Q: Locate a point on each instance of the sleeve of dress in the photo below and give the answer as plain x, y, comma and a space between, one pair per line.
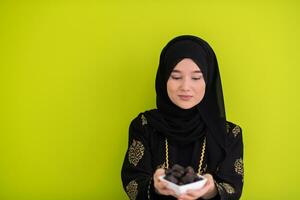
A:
230, 175
136, 171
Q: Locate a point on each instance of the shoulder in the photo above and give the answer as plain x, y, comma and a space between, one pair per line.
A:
141, 120
233, 130
234, 137
139, 126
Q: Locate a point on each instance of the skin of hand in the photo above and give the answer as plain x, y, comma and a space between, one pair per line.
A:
206, 192
160, 186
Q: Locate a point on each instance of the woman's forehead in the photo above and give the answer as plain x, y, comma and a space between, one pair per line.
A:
186, 64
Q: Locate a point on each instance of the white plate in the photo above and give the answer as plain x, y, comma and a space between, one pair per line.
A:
181, 189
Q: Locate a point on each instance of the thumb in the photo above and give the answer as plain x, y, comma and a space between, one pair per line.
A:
160, 172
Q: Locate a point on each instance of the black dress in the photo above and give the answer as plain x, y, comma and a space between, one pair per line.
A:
147, 151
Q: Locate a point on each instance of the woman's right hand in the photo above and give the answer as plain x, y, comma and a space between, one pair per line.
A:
159, 185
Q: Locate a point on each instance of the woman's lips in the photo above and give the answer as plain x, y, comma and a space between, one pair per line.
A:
185, 97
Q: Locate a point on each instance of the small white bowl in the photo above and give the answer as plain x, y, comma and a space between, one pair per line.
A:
181, 189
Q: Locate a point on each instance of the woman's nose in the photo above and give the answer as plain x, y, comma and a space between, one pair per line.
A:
185, 86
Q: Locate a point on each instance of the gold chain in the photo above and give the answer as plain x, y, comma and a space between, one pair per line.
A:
201, 158
167, 154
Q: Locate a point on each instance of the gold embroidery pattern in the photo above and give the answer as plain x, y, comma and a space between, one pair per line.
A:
131, 190
144, 120
229, 189
227, 127
219, 188
236, 130
239, 166
136, 152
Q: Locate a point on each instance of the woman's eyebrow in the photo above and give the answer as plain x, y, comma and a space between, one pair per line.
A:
178, 71
197, 71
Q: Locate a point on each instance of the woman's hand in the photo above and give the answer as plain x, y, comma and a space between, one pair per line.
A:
160, 186
207, 192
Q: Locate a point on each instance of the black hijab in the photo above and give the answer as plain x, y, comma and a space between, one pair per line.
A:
184, 126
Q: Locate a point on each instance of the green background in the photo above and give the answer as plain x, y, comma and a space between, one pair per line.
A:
73, 74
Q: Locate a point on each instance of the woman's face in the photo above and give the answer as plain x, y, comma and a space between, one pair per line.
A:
186, 85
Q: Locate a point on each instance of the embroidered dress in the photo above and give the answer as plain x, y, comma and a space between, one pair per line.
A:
172, 135
137, 176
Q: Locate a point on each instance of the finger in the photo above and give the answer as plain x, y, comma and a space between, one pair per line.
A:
167, 191
209, 178
159, 172
195, 194
185, 197
170, 192
162, 184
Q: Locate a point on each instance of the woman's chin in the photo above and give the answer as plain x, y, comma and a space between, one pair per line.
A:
186, 105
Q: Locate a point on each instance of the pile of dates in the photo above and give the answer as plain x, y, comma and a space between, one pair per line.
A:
181, 176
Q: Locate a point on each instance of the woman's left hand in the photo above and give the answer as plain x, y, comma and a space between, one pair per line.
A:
207, 192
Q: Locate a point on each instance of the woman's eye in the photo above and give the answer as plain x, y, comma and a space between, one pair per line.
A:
196, 78
175, 77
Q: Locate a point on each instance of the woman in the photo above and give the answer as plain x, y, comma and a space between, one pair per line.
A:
188, 128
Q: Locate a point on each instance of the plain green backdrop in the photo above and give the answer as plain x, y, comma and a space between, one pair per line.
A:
73, 74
